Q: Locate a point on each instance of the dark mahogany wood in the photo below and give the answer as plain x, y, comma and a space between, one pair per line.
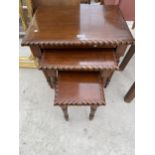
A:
51, 76
120, 50
79, 88
36, 51
84, 26
76, 59
78, 37
127, 57
108, 79
43, 3
130, 94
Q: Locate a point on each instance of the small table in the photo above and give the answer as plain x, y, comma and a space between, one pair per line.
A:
70, 41
78, 88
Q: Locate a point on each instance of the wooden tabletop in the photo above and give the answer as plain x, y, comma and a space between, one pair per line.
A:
83, 59
81, 88
84, 25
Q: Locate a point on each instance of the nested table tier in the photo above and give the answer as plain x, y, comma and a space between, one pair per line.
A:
78, 26
75, 59
79, 88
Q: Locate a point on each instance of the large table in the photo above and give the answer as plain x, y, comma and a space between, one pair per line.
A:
78, 49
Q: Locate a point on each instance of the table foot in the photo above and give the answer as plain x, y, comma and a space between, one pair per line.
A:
65, 112
92, 112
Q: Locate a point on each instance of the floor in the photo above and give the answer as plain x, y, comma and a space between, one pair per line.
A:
43, 130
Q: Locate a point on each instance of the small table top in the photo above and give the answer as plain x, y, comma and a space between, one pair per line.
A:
84, 25
79, 88
75, 59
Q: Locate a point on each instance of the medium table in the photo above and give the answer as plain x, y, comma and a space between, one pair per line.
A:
78, 49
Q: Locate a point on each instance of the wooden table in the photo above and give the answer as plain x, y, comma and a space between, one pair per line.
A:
78, 48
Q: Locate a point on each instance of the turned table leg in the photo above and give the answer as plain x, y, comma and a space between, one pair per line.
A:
65, 112
92, 112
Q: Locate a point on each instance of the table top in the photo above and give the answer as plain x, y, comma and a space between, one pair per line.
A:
83, 25
75, 59
81, 88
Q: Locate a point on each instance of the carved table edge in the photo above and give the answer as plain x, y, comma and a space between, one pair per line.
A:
83, 43
75, 102
82, 68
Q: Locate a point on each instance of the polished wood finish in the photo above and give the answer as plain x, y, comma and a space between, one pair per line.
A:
79, 88
72, 50
44, 3
34, 4
120, 50
36, 51
79, 59
84, 26
130, 94
127, 57
51, 76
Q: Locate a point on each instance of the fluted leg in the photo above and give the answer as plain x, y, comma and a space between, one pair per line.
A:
92, 112
65, 112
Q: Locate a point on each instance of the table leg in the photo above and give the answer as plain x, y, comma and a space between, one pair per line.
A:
65, 112
133, 26
48, 79
127, 58
108, 79
92, 112
130, 94
106, 75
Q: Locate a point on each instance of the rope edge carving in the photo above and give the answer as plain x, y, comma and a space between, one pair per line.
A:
78, 68
94, 43
76, 102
